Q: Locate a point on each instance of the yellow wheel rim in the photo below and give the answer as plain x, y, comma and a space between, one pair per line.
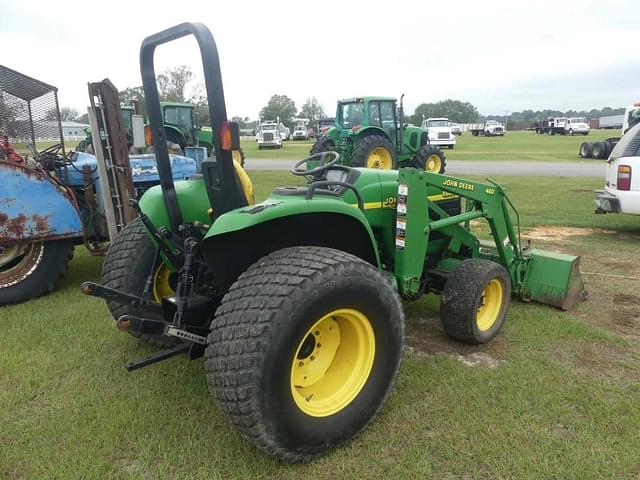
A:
490, 305
433, 163
161, 285
381, 158
332, 362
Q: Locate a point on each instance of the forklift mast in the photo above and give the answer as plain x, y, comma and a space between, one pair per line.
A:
223, 188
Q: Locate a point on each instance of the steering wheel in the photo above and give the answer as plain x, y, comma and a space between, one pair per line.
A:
296, 170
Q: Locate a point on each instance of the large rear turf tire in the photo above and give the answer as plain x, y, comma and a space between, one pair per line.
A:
126, 267
475, 301
374, 151
304, 350
29, 270
430, 158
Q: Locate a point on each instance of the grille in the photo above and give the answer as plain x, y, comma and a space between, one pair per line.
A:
267, 136
443, 135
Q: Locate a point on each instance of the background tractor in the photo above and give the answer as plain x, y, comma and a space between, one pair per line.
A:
179, 127
370, 132
296, 301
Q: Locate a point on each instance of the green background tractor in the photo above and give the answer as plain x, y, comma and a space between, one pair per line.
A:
295, 302
370, 132
179, 127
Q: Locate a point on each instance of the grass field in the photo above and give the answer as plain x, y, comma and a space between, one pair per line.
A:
513, 146
555, 395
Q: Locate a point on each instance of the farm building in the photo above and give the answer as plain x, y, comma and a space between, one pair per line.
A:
73, 129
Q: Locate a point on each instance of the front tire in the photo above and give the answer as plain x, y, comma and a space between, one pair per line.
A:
304, 350
430, 158
475, 300
30, 270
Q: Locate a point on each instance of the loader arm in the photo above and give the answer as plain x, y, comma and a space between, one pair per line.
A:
535, 275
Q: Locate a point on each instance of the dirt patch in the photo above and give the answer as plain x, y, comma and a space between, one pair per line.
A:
424, 336
479, 359
621, 265
602, 360
548, 232
626, 314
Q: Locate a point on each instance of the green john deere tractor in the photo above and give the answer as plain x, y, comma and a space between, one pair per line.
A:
126, 113
295, 302
179, 128
370, 132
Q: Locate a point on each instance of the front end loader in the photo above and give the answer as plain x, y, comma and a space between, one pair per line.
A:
295, 302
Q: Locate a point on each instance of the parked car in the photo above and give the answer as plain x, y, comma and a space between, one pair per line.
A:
621, 193
456, 129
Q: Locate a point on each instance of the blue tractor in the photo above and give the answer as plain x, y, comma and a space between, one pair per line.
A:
52, 200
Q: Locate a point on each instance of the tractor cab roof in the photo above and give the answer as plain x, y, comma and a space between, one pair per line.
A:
370, 99
176, 104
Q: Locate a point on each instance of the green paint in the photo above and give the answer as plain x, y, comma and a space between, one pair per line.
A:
404, 223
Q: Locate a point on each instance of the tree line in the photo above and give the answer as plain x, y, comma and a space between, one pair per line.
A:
178, 85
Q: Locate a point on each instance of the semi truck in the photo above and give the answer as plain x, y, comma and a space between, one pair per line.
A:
602, 149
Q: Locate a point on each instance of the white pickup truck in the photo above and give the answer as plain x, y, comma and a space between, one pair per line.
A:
439, 132
491, 128
621, 192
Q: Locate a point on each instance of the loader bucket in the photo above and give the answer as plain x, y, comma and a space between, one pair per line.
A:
553, 279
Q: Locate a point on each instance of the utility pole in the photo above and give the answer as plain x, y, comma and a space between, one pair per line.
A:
506, 114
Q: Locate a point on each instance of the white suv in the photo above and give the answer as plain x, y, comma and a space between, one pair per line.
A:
621, 192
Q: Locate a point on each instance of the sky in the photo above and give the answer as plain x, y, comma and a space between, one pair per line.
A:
502, 56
